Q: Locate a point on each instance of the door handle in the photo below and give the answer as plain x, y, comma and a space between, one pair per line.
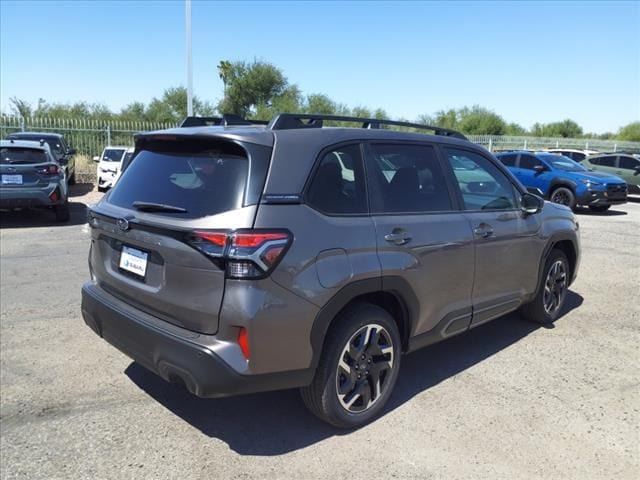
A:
483, 230
398, 236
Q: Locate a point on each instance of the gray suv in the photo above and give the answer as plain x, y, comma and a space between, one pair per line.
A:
239, 258
30, 176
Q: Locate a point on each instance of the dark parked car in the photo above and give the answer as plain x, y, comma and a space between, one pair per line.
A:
242, 258
565, 181
63, 154
30, 176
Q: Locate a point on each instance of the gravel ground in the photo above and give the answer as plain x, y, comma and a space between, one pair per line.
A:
507, 400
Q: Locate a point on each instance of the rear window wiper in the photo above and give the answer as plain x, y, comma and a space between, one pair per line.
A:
157, 207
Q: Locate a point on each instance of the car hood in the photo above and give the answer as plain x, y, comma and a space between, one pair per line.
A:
597, 176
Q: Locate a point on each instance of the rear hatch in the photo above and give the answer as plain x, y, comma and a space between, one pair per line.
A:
25, 168
148, 234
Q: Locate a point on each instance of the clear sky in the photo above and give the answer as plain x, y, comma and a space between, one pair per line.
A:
528, 61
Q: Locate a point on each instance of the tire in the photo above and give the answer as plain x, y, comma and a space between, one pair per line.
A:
537, 310
62, 212
72, 179
339, 370
599, 208
563, 196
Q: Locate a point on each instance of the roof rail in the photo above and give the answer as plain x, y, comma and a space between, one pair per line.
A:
225, 120
287, 121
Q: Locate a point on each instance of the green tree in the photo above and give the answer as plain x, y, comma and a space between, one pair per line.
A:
249, 86
446, 119
515, 130
172, 106
20, 107
480, 121
630, 132
565, 129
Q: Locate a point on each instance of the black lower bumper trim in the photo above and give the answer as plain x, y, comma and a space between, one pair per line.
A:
177, 359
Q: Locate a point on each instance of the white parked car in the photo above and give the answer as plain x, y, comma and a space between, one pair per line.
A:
109, 165
574, 154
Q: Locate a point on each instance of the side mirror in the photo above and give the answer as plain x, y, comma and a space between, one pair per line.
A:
531, 204
539, 168
71, 151
96, 159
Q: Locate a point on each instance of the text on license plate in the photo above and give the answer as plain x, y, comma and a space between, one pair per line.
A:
11, 179
133, 261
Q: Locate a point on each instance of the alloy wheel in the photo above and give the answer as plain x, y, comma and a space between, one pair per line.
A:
555, 287
561, 197
364, 368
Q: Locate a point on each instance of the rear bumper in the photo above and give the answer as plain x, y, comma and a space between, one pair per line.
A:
201, 362
597, 198
30, 197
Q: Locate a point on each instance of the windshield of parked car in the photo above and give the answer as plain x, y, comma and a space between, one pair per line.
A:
14, 155
113, 155
563, 163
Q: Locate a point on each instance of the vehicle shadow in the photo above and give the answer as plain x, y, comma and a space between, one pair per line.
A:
46, 217
608, 213
43, 217
275, 423
80, 189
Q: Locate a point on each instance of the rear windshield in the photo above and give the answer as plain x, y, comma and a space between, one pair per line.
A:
204, 182
15, 155
112, 155
53, 142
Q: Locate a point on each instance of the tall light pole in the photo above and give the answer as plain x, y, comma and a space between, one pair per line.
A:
189, 59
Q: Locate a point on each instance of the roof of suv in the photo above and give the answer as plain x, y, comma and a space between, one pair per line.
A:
24, 144
34, 134
263, 133
298, 141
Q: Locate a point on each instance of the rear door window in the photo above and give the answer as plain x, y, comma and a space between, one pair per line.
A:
508, 160
407, 179
529, 162
202, 182
609, 161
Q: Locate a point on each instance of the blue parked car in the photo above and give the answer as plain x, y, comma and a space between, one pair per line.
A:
565, 181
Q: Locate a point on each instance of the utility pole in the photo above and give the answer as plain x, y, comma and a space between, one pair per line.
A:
189, 59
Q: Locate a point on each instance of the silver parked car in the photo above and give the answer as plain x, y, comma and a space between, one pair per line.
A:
30, 176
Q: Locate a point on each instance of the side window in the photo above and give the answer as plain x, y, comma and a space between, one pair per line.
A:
629, 163
508, 160
529, 162
482, 184
578, 157
407, 179
609, 161
338, 184
595, 161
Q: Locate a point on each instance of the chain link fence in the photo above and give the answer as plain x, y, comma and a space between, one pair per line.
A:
90, 137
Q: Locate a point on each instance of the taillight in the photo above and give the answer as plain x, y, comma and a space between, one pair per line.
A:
245, 254
49, 170
243, 342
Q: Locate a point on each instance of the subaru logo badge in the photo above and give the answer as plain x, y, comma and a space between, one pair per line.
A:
123, 224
